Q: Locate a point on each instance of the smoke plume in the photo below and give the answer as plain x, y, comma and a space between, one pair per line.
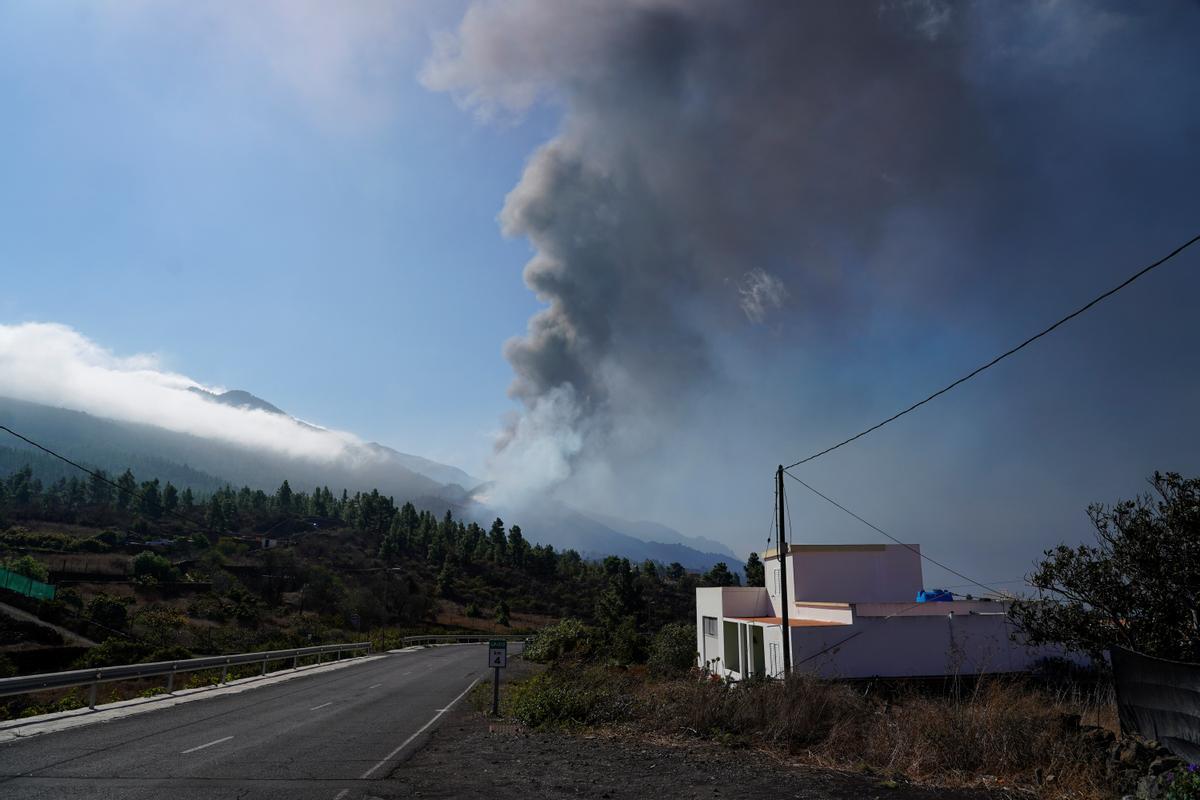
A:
717, 165
725, 167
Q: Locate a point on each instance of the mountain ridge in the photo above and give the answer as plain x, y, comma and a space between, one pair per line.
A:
198, 462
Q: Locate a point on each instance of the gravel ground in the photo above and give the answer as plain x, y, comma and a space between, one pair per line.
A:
470, 756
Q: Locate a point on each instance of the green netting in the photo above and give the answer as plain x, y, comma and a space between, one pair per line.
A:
23, 584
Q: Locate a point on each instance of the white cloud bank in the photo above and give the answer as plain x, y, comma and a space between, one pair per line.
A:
55, 365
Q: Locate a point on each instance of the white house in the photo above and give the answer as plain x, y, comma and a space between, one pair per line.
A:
852, 613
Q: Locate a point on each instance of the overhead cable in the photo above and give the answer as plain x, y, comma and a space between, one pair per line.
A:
1003, 355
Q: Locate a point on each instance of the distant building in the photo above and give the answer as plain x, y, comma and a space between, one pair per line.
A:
853, 613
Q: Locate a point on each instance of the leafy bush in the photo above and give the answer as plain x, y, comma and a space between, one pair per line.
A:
49, 540
565, 637
1183, 784
1149, 542
112, 652
673, 650
554, 699
625, 644
159, 626
108, 611
28, 566
151, 565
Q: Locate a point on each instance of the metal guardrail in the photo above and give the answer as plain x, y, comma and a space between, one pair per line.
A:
412, 641
25, 684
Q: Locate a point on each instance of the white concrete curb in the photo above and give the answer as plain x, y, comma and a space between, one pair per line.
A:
13, 729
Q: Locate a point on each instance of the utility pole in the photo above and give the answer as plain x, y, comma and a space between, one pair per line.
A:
781, 544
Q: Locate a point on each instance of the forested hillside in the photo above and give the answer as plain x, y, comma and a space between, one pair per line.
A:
149, 569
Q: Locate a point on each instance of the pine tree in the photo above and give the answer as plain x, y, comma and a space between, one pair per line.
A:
150, 500
126, 485
170, 498
99, 490
756, 574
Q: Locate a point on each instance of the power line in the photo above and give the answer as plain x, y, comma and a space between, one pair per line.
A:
854, 635
878, 529
993, 583
1005, 354
100, 477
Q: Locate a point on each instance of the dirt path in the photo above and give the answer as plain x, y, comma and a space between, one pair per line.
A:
69, 636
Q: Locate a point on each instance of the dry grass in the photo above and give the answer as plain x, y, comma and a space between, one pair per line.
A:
454, 616
1002, 734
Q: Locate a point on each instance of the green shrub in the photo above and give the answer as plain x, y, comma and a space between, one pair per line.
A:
1183, 783
625, 644
113, 652
673, 650
565, 637
552, 700
151, 565
108, 611
28, 566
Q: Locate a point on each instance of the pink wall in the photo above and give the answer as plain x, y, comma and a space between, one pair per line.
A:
849, 574
914, 646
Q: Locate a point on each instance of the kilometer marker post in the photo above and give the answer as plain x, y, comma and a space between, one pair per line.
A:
498, 660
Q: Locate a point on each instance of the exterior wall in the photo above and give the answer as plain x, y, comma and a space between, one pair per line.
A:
871, 590
716, 652
745, 601
914, 646
708, 604
864, 573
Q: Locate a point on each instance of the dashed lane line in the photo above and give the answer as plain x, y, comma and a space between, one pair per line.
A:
202, 746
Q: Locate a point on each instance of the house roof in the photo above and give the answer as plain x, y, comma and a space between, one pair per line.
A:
792, 622
772, 552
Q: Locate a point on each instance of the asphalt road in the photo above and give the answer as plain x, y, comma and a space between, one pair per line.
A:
332, 736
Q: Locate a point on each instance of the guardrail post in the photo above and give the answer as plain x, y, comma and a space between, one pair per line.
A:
264, 669
225, 672
339, 656
295, 662
171, 681
92, 695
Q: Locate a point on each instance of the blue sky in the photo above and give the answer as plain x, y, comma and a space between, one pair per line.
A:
270, 197
165, 194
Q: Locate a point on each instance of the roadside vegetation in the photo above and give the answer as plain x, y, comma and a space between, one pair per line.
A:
1036, 734
1052, 734
146, 571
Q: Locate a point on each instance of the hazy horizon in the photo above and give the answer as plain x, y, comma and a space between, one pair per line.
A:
627, 256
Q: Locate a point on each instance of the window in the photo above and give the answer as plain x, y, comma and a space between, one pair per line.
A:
733, 660
775, 582
710, 626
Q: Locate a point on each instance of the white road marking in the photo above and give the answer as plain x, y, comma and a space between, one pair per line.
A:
341, 794
323, 705
372, 686
202, 746
421, 730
